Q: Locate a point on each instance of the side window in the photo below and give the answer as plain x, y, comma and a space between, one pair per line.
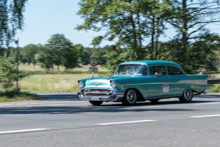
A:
141, 70
174, 71
159, 69
144, 70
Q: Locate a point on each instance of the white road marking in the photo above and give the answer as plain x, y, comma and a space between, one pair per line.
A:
203, 116
211, 103
40, 104
130, 108
125, 122
23, 131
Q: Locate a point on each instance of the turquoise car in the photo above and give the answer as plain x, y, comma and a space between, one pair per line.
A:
143, 80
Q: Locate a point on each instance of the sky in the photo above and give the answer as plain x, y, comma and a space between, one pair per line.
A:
43, 18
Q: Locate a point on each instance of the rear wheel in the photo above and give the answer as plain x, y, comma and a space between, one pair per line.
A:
130, 97
96, 103
187, 96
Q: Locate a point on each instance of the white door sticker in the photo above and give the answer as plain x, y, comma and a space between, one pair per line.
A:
165, 88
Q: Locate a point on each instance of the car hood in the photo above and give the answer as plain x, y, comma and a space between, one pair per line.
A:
105, 81
98, 82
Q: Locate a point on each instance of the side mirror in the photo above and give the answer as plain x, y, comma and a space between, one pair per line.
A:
155, 74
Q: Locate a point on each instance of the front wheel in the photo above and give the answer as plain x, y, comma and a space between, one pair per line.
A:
187, 96
130, 97
96, 103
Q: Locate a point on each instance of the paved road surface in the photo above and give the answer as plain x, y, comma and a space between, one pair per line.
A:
63, 120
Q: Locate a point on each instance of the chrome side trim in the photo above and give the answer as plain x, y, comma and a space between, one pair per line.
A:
195, 82
147, 83
192, 82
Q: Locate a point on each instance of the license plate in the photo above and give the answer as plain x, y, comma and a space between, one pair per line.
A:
94, 98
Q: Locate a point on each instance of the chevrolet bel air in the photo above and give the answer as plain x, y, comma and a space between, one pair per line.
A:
143, 80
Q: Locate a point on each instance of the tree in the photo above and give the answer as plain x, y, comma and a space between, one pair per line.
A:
61, 51
8, 73
28, 52
124, 20
45, 58
70, 57
201, 53
83, 57
11, 19
189, 17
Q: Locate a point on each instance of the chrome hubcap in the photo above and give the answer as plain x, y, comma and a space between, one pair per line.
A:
187, 94
131, 96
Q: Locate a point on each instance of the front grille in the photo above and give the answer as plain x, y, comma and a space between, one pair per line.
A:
97, 92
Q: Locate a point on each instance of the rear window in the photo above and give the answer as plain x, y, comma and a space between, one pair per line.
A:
174, 71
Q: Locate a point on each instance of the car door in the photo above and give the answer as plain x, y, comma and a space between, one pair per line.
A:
175, 75
158, 85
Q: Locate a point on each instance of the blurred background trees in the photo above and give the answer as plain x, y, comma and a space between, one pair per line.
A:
135, 27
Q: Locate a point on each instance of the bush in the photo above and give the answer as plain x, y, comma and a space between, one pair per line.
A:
8, 73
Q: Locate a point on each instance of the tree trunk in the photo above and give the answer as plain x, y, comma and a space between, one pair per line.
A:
140, 50
133, 29
157, 37
184, 33
152, 37
139, 28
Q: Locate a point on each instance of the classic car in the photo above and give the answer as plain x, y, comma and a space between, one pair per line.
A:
143, 80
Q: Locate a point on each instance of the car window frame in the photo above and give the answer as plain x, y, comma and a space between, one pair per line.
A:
135, 64
177, 68
151, 65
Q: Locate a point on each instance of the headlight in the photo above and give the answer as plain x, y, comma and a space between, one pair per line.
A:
113, 84
81, 84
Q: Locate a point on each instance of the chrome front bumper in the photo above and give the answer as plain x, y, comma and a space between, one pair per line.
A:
109, 95
206, 90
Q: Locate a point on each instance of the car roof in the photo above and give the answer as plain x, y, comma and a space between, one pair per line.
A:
153, 62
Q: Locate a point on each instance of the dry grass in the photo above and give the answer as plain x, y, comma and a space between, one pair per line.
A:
59, 82
52, 83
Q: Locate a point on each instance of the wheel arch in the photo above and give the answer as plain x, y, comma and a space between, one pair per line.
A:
140, 96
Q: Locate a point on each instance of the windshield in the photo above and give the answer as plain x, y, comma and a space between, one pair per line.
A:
131, 69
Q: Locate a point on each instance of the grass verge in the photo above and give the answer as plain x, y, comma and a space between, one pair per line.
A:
214, 88
11, 96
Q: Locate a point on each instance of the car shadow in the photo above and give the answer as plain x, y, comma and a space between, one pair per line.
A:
60, 97
78, 110
145, 106
106, 107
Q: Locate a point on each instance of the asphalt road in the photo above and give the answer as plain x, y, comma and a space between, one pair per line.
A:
64, 120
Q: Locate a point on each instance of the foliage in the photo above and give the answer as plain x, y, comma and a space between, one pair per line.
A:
130, 22
28, 52
201, 54
189, 18
83, 56
8, 73
11, 12
58, 51
45, 58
